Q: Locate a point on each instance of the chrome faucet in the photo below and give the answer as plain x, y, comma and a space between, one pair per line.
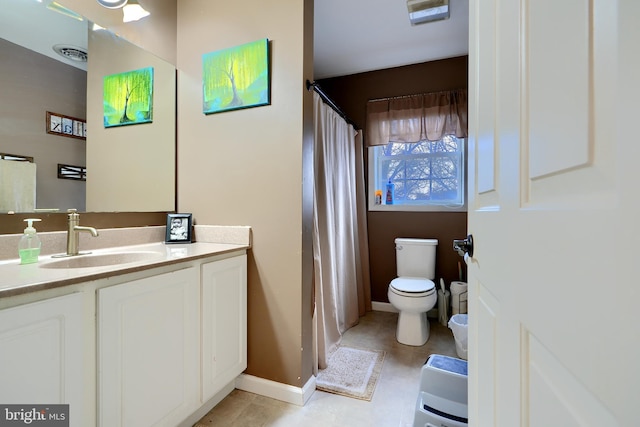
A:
73, 232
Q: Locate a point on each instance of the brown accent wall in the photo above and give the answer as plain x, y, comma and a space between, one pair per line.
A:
351, 94
384, 227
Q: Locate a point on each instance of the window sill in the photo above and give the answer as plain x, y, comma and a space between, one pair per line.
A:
413, 208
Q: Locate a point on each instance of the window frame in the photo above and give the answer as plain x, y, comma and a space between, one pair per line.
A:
371, 187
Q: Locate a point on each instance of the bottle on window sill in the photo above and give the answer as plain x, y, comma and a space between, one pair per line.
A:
390, 193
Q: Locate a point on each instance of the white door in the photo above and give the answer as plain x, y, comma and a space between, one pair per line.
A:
554, 189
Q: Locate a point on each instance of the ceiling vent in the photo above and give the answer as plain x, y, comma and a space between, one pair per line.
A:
423, 11
73, 53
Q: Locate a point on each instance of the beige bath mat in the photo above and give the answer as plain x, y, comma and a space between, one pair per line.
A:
351, 372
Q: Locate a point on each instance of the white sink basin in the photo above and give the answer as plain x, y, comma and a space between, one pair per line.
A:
102, 260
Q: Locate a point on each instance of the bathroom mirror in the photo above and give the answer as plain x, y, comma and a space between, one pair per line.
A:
129, 168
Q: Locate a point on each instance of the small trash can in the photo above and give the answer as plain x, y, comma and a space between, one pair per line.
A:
460, 327
458, 297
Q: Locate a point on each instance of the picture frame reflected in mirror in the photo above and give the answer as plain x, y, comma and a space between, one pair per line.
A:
179, 228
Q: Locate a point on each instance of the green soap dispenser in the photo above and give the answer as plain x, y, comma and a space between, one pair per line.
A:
29, 246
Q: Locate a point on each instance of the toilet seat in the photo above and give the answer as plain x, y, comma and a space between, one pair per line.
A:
414, 287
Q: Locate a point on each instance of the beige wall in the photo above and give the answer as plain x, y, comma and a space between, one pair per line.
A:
129, 168
250, 166
245, 167
307, 201
155, 33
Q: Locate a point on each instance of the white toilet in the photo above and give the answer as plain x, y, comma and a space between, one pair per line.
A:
413, 292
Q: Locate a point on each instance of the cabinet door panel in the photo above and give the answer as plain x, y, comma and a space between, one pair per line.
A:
41, 354
224, 323
148, 350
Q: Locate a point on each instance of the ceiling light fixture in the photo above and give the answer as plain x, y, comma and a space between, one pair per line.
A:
423, 11
112, 4
133, 11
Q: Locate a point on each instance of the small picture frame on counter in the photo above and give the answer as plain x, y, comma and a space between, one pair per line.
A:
179, 226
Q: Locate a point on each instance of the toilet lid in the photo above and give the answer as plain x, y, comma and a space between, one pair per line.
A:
412, 284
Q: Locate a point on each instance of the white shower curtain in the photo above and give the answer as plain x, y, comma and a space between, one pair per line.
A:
340, 244
17, 186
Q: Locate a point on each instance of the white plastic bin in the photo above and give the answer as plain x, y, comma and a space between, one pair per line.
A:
442, 399
458, 297
460, 327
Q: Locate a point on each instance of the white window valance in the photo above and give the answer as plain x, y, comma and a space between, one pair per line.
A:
414, 118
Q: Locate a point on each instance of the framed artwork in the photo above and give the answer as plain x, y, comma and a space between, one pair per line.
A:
236, 78
179, 226
78, 173
59, 124
128, 98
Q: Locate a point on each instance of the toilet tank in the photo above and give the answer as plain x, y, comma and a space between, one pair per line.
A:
416, 257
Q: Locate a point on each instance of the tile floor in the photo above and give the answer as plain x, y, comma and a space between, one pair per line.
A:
393, 401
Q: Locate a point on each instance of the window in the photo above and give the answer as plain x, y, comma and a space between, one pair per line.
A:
427, 175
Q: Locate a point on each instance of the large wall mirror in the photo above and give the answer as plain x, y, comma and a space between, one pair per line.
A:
128, 168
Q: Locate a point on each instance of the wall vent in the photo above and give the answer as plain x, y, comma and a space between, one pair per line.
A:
73, 53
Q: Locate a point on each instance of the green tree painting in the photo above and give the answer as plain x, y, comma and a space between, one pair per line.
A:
128, 98
235, 78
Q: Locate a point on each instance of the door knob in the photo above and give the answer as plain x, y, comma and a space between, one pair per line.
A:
464, 246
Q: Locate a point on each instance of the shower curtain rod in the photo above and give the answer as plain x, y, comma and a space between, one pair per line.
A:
316, 87
389, 98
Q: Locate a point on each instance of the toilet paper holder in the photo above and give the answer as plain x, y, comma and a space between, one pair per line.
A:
464, 246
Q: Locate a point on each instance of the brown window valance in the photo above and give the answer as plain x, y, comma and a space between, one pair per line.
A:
414, 118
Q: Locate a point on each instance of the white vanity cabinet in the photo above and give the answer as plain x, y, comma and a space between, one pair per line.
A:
150, 345
148, 350
224, 323
42, 355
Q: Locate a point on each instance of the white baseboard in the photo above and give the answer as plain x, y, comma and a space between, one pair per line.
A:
275, 390
383, 306
288, 393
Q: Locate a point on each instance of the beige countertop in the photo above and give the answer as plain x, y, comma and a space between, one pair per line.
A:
16, 279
